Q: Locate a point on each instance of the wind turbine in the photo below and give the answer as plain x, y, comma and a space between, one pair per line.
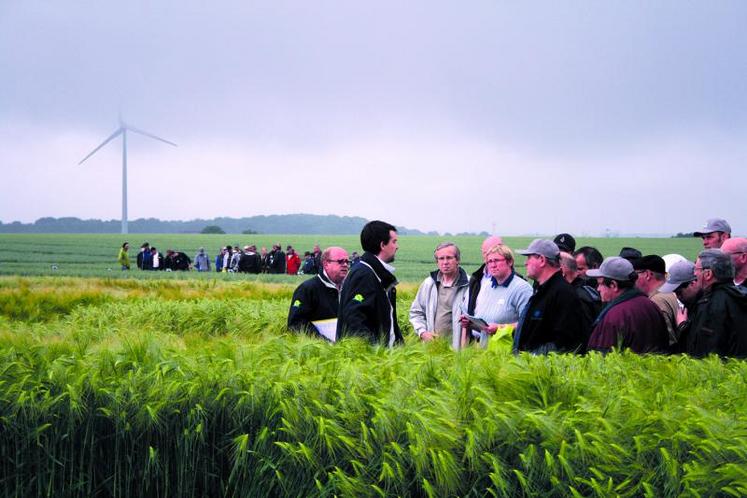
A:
122, 130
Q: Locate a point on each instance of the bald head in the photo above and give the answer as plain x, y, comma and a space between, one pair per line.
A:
737, 249
490, 243
335, 264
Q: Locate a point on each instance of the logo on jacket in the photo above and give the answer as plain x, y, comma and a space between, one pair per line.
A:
358, 298
296, 303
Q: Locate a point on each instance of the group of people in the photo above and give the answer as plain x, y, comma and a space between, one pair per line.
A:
275, 261
229, 259
151, 260
571, 300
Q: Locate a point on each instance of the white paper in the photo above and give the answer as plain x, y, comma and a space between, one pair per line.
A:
327, 328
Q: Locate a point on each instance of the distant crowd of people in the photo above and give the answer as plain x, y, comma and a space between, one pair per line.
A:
229, 259
577, 301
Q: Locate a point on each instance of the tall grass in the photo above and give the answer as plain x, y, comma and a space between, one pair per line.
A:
210, 396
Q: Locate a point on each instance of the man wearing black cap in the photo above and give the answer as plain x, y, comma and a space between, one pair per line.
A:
651, 271
630, 319
714, 233
553, 319
565, 242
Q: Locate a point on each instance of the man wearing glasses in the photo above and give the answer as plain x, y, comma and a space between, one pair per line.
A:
496, 295
553, 319
720, 321
435, 310
317, 298
737, 249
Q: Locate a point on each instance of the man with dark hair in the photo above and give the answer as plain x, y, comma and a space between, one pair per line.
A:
317, 298
553, 319
631, 254
720, 321
737, 249
715, 232
630, 319
588, 258
144, 260
591, 303
651, 271
276, 259
435, 310
368, 299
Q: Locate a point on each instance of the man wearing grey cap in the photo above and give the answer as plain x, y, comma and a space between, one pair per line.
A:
630, 319
719, 324
714, 233
553, 319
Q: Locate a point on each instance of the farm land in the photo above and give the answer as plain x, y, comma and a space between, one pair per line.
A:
183, 384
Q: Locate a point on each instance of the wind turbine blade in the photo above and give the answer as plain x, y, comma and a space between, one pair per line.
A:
111, 137
149, 135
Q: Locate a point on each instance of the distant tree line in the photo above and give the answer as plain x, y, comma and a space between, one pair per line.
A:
286, 223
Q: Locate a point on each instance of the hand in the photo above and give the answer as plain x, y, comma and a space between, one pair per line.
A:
427, 336
464, 321
681, 315
491, 329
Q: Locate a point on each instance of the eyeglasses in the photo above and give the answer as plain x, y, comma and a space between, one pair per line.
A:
341, 262
494, 261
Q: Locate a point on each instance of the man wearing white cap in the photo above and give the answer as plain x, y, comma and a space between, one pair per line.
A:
630, 319
553, 319
714, 233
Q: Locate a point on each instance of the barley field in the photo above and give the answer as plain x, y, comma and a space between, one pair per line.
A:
152, 384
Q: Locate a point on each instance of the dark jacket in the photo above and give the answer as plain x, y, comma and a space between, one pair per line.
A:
368, 303
631, 321
719, 324
145, 260
315, 299
276, 262
553, 319
250, 263
591, 302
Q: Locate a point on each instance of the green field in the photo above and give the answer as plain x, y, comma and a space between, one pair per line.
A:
183, 384
95, 255
129, 387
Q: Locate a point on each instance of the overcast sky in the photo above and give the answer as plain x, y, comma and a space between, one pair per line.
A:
530, 117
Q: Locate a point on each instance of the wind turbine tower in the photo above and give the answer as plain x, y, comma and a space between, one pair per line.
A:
122, 130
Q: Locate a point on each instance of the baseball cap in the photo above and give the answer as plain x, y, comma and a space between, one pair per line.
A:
613, 267
713, 225
565, 242
543, 247
652, 262
670, 259
680, 273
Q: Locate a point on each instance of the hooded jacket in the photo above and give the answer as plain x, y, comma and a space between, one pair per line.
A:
314, 299
368, 303
720, 323
423, 308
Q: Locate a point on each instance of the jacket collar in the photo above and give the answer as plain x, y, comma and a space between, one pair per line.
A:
461, 280
385, 277
325, 280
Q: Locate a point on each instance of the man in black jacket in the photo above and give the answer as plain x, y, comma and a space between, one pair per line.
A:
318, 297
368, 299
553, 319
720, 321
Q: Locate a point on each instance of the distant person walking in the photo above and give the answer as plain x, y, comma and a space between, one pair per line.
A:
123, 258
